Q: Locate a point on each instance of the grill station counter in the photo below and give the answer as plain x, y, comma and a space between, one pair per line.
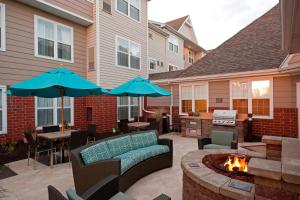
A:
192, 126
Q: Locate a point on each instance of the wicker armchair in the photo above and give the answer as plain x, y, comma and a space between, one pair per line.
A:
54, 194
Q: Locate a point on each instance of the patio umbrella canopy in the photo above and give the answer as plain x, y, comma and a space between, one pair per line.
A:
55, 83
139, 87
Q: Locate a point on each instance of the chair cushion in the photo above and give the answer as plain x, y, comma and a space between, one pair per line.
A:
72, 195
215, 146
134, 157
95, 153
120, 145
145, 139
221, 137
121, 196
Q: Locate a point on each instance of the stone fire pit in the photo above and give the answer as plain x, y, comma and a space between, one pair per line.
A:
201, 182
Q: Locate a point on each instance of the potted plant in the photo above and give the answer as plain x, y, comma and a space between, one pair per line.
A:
196, 114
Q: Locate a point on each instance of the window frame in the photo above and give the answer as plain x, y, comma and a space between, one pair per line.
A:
191, 55
193, 95
54, 108
171, 43
4, 110
149, 61
130, 118
3, 27
129, 54
177, 68
55, 24
249, 84
128, 15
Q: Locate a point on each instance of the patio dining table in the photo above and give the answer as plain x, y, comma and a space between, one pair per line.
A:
55, 136
138, 125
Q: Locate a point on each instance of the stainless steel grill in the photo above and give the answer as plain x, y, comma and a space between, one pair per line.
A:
224, 117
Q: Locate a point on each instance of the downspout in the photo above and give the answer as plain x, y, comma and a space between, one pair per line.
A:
171, 107
98, 42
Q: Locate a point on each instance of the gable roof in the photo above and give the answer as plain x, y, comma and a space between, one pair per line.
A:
177, 23
256, 47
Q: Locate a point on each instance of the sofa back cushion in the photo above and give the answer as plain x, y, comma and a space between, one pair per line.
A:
145, 139
221, 137
95, 153
119, 145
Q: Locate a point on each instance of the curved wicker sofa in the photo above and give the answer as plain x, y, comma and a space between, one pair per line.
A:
92, 163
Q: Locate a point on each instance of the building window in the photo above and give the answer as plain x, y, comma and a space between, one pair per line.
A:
200, 98
191, 57
150, 36
173, 68
252, 97
128, 107
128, 53
152, 64
173, 44
91, 59
130, 8
107, 6
53, 40
3, 110
2, 27
186, 99
48, 111
194, 98
240, 97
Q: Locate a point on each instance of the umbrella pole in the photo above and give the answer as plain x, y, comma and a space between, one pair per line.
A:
138, 109
62, 114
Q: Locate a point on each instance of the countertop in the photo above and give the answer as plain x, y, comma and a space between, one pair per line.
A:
209, 116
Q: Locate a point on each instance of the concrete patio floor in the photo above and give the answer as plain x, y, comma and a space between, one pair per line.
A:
32, 184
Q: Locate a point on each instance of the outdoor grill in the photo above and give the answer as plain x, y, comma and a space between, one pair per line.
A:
224, 117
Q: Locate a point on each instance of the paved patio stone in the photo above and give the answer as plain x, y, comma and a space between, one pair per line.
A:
265, 168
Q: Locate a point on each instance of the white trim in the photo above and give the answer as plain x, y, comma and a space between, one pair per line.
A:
129, 49
128, 15
65, 11
4, 110
192, 85
249, 82
184, 23
98, 42
221, 76
153, 59
55, 40
55, 107
3, 27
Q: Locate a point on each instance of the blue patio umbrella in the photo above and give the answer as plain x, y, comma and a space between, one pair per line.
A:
55, 83
139, 87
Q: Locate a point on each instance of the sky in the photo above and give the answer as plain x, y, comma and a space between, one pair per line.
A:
214, 21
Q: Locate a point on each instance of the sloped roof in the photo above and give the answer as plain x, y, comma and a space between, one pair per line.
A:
177, 23
256, 47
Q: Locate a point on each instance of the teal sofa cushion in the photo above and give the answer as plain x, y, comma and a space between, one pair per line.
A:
120, 145
134, 157
95, 153
121, 196
221, 137
145, 139
72, 195
215, 146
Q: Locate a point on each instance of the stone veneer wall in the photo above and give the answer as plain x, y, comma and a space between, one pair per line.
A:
21, 114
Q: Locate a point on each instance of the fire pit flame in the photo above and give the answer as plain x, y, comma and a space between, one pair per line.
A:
236, 163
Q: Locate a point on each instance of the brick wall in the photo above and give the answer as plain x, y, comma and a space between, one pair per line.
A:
21, 114
285, 123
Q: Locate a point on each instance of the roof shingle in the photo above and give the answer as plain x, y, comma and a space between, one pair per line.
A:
177, 23
256, 47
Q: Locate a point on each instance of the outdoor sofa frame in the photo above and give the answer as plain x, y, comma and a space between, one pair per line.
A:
87, 176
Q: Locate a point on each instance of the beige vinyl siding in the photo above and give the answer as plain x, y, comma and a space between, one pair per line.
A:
115, 24
175, 58
188, 32
219, 89
157, 50
83, 8
295, 60
285, 91
91, 42
160, 101
18, 61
